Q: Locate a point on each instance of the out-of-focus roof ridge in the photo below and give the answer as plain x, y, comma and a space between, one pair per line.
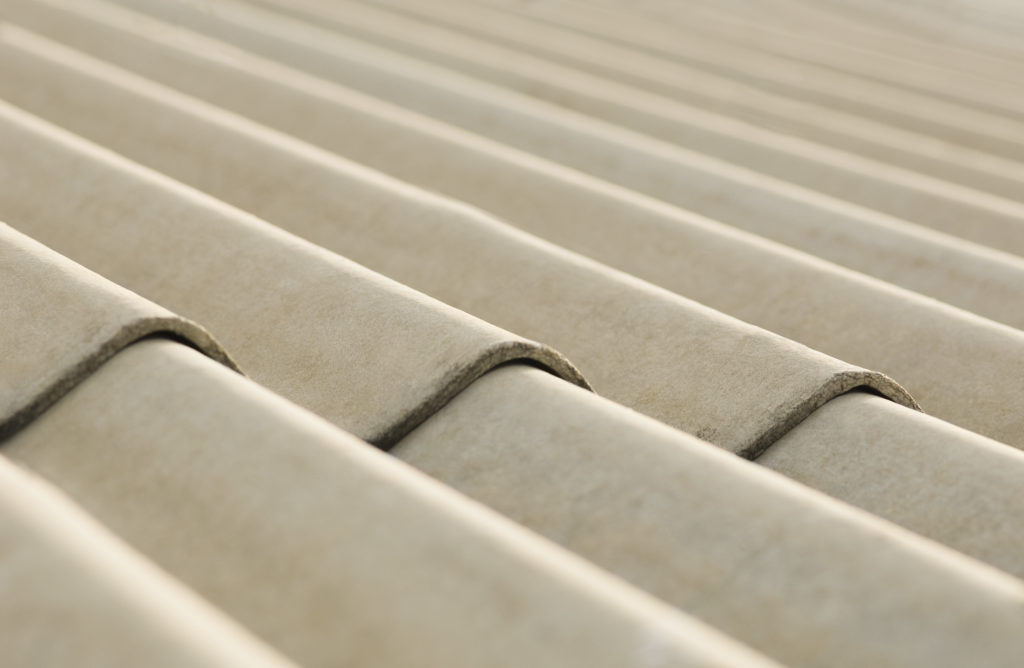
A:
901, 192
726, 45
917, 257
59, 563
712, 37
706, 90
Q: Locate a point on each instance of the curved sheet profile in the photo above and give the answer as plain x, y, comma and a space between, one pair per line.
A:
371, 355
533, 30
325, 548
938, 480
75, 595
866, 182
486, 54
730, 383
966, 275
60, 322
794, 574
239, 182
938, 352
835, 45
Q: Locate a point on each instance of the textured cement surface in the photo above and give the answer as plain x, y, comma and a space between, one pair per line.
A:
742, 220
367, 353
62, 321
365, 562
633, 341
76, 595
922, 344
713, 534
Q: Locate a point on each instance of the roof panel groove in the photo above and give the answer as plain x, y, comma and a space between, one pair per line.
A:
328, 550
659, 353
746, 222
61, 322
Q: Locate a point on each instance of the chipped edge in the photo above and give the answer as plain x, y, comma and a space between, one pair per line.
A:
179, 329
459, 378
839, 384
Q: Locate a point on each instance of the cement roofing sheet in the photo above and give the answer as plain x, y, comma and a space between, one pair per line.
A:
739, 219
324, 547
717, 377
786, 298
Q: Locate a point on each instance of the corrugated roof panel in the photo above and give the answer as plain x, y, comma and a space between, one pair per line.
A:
938, 480
73, 594
755, 223
636, 341
907, 254
882, 186
814, 76
327, 549
321, 330
707, 532
64, 322
989, 371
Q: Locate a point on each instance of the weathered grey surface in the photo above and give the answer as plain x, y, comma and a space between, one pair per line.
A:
367, 353
60, 321
331, 551
71, 594
728, 382
804, 579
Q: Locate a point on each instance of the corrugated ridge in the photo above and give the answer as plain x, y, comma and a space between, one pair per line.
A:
62, 322
737, 386
572, 150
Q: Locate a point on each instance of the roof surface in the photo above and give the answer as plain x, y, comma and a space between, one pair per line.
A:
492, 332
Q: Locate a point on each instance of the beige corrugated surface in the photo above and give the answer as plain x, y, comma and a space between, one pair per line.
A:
75, 595
789, 229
